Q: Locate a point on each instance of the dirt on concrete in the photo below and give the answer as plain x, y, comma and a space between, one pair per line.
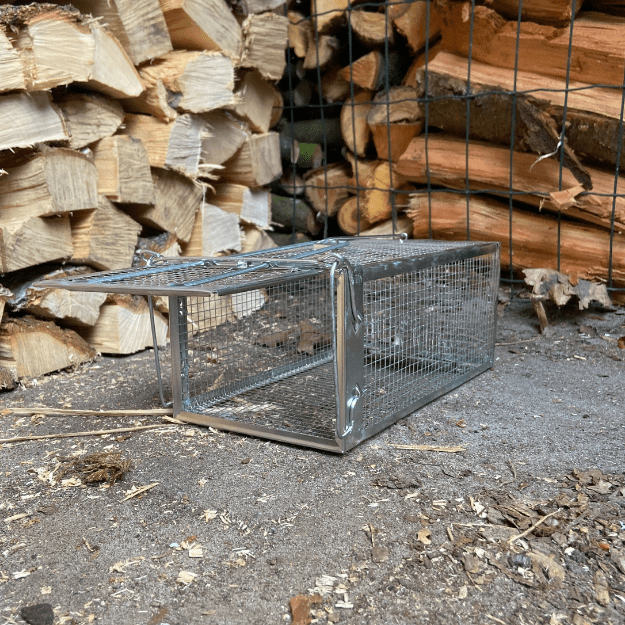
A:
525, 526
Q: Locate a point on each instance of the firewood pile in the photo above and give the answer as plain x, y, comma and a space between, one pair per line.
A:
206, 127
127, 126
533, 206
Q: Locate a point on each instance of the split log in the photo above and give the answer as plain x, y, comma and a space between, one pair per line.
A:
556, 12
372, 29
203, 25
54, 182
89, 117
112, 72
367, 72
227, 135
380, 196
403, 225
11, 72
138, 25
322, 51
255, 101
394, 119
596, 46
29, 118
294, 214
290, 238
413, 24
298, 33
351, 217
354, 128
253, 206
215, 231
104, 238
176, 201
255, 240
534, 183
123, 326
265, 40
584, 250
277, 109
247, 7
30, 242
256, 163
362, 170
175, 145
58, 46
70, 307
327, 188
592, 120
329, 15
5, 295
192, 82
334, 88
30, 348
416, 72
123, 170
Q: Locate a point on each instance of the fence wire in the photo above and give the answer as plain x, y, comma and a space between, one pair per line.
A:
325, 113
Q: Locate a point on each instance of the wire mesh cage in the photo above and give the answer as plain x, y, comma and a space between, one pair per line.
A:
321, 344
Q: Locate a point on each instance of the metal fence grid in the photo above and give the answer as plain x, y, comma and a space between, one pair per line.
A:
470, 127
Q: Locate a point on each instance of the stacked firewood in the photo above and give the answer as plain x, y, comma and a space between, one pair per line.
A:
352, 88
525, 81
127, 125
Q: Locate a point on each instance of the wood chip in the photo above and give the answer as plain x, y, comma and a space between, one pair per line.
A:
17, 517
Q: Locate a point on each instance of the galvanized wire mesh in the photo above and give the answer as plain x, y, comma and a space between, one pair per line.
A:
425, 330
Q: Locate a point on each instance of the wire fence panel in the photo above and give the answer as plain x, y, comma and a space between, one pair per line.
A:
497, 120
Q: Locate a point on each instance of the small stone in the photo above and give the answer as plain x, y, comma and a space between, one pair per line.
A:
334, 618
40, 614
379, 554
522, 561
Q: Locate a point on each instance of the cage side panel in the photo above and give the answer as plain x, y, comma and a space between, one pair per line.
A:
263, 357
426, 330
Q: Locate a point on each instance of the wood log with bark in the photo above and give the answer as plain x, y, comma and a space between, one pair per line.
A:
68, 307
327, 188
535, 183
584, 250
594, 44
30, 348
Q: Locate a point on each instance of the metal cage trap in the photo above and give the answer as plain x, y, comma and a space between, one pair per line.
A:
320, 344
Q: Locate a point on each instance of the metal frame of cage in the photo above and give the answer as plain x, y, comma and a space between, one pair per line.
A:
370, 378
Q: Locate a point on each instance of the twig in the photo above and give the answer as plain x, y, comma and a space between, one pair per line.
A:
18, 439
497, 620
140, 490
448, 450
517, 342
512, 468
533, 527
157, 412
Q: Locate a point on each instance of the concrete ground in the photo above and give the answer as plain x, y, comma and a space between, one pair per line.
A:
241, 530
